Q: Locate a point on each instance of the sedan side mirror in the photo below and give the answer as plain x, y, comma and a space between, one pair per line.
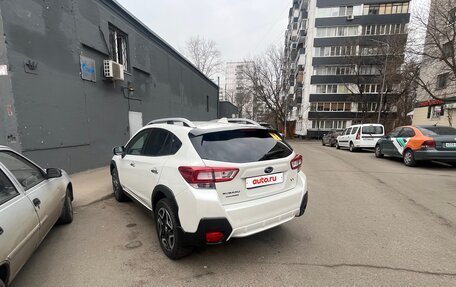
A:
53, 172
118, 150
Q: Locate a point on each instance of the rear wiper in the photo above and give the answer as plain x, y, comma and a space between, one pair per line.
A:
271, 153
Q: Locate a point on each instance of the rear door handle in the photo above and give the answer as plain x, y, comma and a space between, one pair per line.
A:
37, 202
132, 164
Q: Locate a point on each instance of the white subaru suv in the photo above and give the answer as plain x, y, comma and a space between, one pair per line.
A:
207, 182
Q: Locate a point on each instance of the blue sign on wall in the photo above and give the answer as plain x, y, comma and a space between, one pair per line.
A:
88, 71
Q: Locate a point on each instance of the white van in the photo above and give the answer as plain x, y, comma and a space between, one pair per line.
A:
360, 136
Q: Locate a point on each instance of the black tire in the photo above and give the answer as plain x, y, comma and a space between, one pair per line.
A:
331, 144
323, 143
337, 146
409, 158
66, 216
352, 147
119, 193
2, 284
378, 152
168, 233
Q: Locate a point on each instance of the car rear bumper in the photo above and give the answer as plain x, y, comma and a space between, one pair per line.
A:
445, 156
245, 218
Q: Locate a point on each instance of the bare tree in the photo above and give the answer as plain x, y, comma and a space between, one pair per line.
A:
381, 63
265, 76
438, 52
204, 54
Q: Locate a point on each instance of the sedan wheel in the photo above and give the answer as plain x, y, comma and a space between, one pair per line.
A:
409, 158
378, 151
352, 147
67, 211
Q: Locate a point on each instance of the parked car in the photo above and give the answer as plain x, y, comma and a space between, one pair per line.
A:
360, 136
32, 200
330, 138
208, 182
419, 143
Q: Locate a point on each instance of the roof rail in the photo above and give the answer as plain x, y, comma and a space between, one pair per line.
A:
171, 121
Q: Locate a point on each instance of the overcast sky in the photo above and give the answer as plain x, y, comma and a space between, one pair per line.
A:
241, 28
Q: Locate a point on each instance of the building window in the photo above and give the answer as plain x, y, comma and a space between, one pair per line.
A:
452, 17
339, 11
442, 81
330, 107
435, 112
448, 49
339, 31
367, 107
383, 29
335, 51
119, 46
387, 8
329, 124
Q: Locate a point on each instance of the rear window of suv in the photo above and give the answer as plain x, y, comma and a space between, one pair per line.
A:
437, 131
374, 130
240, 146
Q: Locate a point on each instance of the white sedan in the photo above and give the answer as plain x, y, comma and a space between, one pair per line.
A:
32, 200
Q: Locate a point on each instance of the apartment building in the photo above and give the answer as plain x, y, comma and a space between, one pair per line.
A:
334, 59
238, 92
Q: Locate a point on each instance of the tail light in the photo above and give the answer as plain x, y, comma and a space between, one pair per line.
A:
206, 177
296, 162
429, 144
214, 237
358, 136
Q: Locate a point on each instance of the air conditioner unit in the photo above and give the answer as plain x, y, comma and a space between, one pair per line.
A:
113, 70
350, 17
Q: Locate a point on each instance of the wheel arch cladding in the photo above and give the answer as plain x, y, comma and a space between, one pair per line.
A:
70, 188
4, 272
160, 192
406, 149
112, 166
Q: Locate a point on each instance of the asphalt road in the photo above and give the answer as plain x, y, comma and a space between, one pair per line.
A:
369, 222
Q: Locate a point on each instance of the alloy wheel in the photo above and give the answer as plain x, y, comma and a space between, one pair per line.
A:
165, 229
408, 158
115, 181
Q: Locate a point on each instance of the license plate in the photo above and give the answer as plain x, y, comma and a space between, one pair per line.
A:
264, 180
449, 145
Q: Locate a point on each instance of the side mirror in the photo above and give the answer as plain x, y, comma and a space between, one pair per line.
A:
53, 172
118, 150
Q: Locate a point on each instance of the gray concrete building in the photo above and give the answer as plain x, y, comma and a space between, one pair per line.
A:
62, 104
333, 49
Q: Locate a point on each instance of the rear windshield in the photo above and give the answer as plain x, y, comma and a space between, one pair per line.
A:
240, 146
374, 130
438, 131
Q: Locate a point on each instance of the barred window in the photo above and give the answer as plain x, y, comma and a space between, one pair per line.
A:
119, 46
